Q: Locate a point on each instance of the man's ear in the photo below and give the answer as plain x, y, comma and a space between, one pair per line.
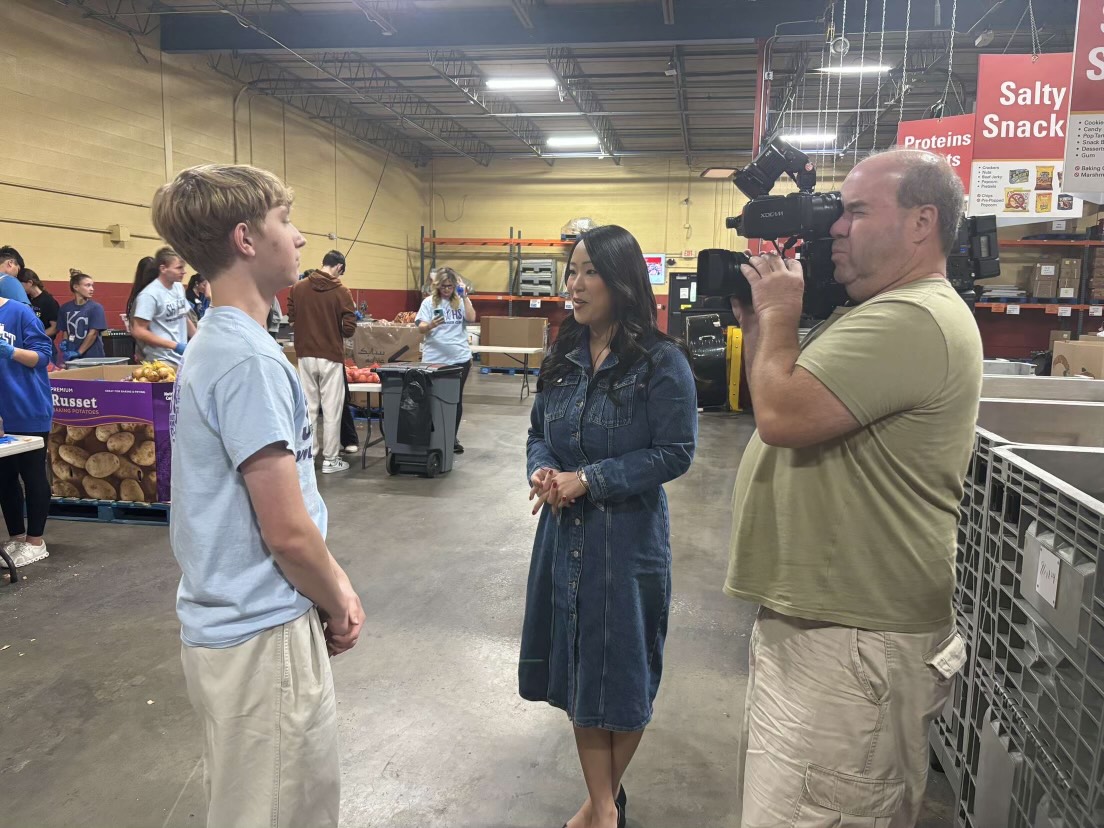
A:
925, 223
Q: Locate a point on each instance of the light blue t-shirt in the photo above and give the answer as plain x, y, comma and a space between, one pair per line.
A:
166, 310
235, 394
447, 344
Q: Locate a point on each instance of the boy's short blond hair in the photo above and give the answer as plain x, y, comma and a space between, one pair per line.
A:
196, 212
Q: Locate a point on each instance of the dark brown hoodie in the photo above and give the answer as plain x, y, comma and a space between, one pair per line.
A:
322, 311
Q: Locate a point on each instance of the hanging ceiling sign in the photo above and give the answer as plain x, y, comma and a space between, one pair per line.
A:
952, 137
1085, 139
1020, 138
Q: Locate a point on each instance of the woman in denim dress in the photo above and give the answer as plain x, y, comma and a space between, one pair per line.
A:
615, 417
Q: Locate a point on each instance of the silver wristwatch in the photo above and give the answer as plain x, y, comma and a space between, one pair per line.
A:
583, 479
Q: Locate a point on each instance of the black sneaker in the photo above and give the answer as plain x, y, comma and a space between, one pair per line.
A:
457, 448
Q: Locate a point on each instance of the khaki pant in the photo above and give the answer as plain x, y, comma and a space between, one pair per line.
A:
323, 384
836, 725
269, 718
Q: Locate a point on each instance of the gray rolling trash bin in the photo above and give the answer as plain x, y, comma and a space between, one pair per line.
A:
419, 416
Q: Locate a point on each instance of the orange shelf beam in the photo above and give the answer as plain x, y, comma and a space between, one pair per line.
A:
499, 242
503, 297
1049, 243
1001, 307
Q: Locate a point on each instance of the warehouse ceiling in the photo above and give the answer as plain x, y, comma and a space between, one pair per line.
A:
673, 78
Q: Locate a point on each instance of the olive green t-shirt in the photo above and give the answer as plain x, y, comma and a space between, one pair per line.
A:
860, 530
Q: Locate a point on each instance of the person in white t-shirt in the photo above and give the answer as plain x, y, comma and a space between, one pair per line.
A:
443, 319
160, 320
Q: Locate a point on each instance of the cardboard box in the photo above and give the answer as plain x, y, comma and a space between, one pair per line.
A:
513, 332
1045, 270
373, 342
1045, 288
1058, 336
1096, 294
120, 427
1083, 358
1070, 269
1069, 288
289, 353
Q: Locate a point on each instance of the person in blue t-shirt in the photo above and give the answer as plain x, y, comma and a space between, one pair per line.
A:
443, 319
261, 599
81, 321
11, 265
26, 407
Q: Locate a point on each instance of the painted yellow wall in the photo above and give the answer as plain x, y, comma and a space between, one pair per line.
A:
644, 196
92, 129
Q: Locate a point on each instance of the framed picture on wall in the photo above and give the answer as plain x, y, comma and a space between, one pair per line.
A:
657, 268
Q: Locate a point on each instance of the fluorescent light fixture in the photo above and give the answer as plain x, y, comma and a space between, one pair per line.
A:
719, 172
520, 84
809, 137
571, 141
854, 69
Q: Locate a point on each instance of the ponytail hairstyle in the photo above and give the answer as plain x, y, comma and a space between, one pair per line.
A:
144, 274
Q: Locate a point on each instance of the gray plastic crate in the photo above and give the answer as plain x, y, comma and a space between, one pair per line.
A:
1042, 388
1047, 660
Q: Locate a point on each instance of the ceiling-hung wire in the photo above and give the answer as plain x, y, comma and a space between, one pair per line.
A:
904, 65
839, 90
858, 96
950, 62
804, 79
1036, 47
1015, 31
878, 92
822, 116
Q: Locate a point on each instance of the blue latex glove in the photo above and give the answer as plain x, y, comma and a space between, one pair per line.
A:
69, 352
7, 350
460, 289
179, 347
359, 316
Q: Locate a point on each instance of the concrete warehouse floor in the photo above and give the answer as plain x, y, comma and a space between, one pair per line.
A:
96, 728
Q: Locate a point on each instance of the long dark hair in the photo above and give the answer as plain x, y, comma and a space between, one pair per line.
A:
149, 268
28, 275
619, 261
191, 290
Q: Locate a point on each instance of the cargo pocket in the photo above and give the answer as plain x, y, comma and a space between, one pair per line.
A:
845, 801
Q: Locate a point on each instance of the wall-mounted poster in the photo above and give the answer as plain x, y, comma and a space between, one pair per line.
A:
657, 267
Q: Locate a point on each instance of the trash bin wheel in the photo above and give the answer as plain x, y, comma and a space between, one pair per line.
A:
433, 464
392, 464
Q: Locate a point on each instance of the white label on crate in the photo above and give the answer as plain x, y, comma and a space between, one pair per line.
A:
1046, 582
1058, 225
1013, 309
1096, 310
684, 293
569, 305
1048, 270
1066, 293
1065, 310
534, 303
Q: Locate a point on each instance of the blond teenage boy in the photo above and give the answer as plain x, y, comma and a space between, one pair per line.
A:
261, 599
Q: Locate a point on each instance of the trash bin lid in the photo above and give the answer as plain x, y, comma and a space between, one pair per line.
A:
434, 368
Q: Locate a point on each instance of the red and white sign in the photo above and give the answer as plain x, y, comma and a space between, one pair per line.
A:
952, 137
1020, 137
1085, 141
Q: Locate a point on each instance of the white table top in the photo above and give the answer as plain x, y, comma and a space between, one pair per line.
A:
365, 387
21, 445
505, 349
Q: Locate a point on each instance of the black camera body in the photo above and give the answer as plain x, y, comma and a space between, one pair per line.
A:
806, 218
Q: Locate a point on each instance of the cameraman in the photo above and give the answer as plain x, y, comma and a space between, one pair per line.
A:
846, 505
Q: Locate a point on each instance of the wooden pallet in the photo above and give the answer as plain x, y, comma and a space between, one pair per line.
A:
109, 511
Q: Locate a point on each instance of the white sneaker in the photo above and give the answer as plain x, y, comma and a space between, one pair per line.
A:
23, 553
331, 466
352, 448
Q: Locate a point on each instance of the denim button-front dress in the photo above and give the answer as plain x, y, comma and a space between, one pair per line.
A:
599, 587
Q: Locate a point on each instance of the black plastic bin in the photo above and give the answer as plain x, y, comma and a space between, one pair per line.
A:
419, 416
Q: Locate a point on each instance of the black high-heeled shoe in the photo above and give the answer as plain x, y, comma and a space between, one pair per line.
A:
622, 798
620, 814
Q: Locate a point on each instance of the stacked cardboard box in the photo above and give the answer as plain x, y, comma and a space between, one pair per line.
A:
513, 332
1083, 358
1069, 279
1096, 278
1044, 283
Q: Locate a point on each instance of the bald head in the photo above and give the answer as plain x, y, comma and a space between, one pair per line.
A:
923, 178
